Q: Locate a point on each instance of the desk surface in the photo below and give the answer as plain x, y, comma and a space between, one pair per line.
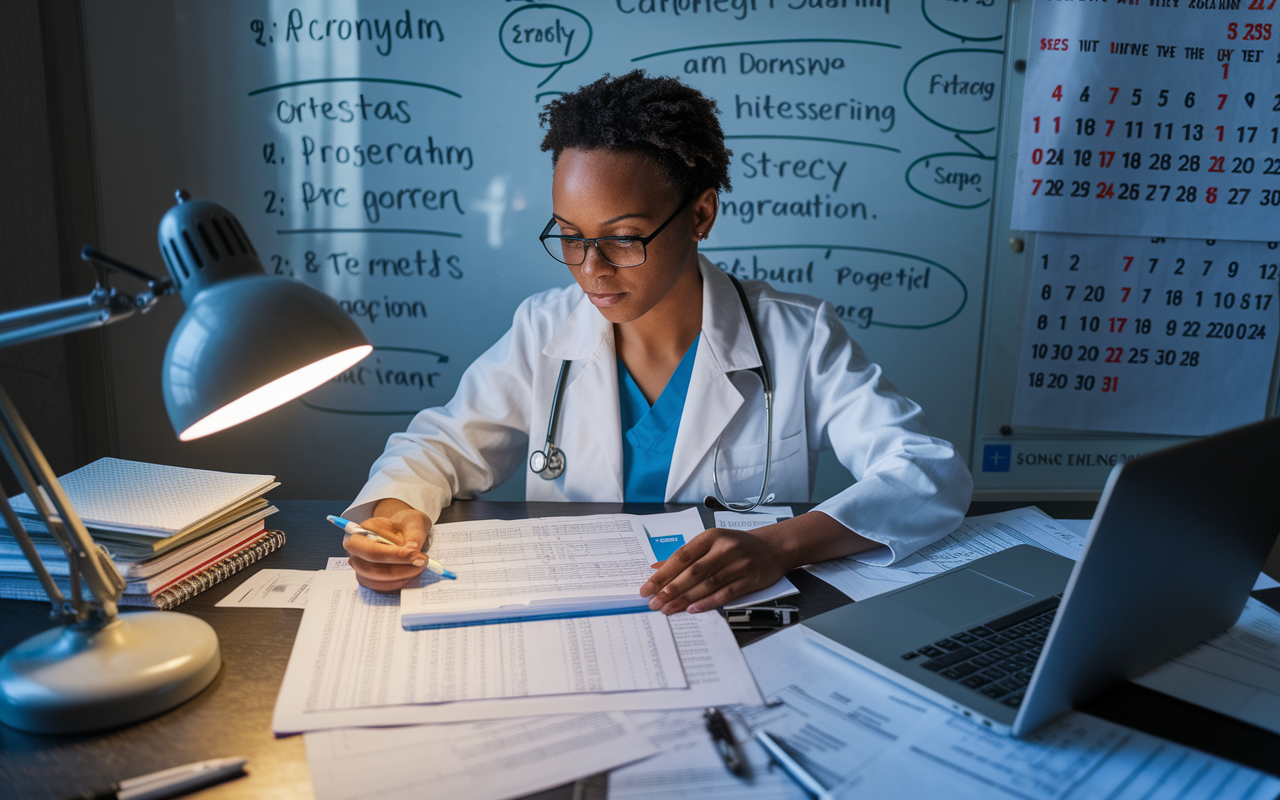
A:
233, 716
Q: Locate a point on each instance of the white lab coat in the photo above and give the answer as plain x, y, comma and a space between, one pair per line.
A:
911, 488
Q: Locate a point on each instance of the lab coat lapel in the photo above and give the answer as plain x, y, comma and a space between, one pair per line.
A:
590, 421
725, 346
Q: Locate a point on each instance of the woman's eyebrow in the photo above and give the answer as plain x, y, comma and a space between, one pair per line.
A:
606, 222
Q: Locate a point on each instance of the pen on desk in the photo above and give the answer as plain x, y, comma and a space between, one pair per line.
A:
169, 782
726, 744
354, 529
782, 755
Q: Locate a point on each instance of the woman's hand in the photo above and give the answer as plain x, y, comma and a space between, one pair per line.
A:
384, 567
717, 567
721, 565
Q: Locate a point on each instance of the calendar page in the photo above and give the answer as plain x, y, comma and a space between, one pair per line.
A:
1160, 336
1152, 119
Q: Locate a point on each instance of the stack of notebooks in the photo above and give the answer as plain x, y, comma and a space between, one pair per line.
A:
171, 531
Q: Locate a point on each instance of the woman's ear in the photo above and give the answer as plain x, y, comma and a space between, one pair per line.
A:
705, 208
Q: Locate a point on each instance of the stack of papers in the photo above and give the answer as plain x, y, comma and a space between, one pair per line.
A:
976, 537
515, 707
169, 530
866, 738
532, 569
506, 708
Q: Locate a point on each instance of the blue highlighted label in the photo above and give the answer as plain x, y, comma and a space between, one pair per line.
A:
996, 457
664, 546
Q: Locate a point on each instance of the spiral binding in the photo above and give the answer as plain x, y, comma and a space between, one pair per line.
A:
219, 572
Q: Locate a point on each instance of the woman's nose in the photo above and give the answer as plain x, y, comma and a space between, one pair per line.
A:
593, 264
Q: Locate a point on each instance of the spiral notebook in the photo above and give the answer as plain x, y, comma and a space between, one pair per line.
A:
167, 595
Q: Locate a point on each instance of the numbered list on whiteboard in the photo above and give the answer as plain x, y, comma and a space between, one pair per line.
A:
1159, 336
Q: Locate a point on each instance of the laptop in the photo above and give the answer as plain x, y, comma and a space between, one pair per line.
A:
1017, 638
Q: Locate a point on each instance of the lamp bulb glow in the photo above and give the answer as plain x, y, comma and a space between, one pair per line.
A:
276, 393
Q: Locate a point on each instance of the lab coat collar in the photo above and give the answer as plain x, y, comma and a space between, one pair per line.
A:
724, 322
581, 335
726, 346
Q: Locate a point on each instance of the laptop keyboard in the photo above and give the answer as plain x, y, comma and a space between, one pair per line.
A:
996, 659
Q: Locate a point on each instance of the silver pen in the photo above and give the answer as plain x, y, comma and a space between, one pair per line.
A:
782, 755
169, 782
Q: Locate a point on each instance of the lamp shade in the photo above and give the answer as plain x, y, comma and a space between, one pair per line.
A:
248, 341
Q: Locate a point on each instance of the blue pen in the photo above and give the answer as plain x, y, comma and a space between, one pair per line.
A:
354, 529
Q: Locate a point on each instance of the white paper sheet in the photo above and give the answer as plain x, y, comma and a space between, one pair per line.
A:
763, 515
513, 562
687, 524
1078, 757
271, 588
334, 657
837, 717
870, 739
477, 760
976, 537
1236, 673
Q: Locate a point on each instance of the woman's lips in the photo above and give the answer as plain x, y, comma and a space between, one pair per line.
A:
606, 299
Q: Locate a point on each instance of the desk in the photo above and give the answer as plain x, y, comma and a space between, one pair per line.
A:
233, 716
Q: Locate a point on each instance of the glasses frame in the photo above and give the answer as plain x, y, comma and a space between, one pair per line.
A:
643, 240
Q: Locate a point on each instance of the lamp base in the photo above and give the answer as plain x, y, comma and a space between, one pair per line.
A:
71, 680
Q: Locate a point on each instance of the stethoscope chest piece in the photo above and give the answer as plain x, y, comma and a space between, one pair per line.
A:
547, 463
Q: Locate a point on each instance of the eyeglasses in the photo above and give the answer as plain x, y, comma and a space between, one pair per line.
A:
618, 251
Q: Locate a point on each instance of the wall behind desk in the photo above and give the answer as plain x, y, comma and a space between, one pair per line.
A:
387, 153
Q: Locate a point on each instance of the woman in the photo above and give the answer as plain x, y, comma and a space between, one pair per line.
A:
660, 392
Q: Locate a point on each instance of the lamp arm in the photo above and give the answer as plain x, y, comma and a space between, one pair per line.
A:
103, 306
33, 473
60, 605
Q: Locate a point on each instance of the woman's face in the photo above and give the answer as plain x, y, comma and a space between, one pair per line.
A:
599, 193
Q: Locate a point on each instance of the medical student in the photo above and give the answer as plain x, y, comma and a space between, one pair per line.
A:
652, 357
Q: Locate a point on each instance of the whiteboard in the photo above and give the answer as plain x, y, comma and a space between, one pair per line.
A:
388, 154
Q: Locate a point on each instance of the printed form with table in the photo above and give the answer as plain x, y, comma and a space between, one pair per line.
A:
392, 705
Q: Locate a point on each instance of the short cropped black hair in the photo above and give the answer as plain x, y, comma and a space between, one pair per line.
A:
661, 117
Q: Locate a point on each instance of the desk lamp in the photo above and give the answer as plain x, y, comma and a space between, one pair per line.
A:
247, 343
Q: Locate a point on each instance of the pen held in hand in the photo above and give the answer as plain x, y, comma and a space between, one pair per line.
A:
355, 530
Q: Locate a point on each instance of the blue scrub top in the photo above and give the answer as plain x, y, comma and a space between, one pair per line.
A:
649, 432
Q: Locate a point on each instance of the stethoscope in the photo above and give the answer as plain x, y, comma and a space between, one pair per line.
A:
549, 462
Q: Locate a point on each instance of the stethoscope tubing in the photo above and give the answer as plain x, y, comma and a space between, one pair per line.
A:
549, 462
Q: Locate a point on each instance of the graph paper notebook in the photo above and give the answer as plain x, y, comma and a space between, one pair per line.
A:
152, 500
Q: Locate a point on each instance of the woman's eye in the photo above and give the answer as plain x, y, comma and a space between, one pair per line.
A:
624, 242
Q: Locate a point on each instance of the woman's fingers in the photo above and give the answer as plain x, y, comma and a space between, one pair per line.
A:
383, 577
710, 574
388, 567
718, 566
679, 561
368, 550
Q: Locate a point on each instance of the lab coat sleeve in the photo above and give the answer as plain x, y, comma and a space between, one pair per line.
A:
470, 445
912, 489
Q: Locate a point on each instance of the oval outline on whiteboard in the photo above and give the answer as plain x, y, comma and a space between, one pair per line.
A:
503, 44
964, 300
907, 81
912, 187
925, 11
441, 358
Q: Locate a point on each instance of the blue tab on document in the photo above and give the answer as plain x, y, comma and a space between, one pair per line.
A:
664, 546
